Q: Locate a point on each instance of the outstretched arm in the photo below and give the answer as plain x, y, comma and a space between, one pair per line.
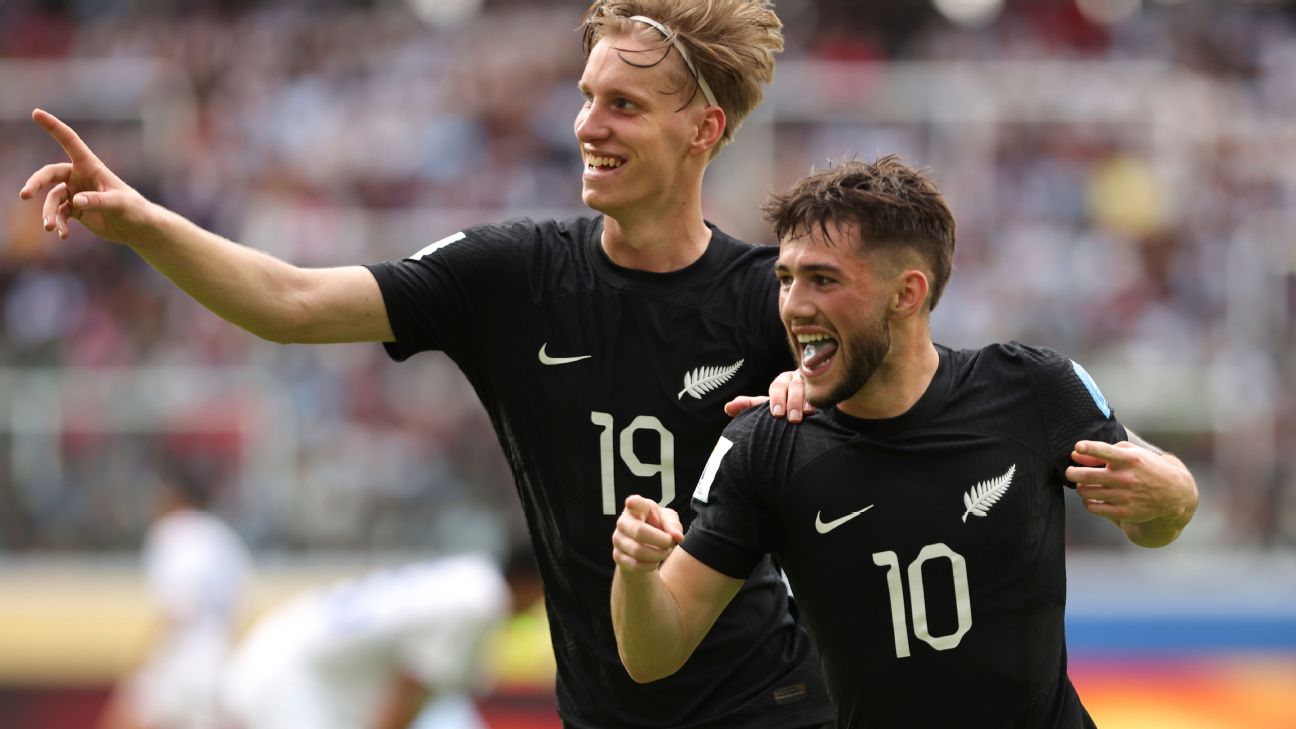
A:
1150, 494
664, 601
266, 296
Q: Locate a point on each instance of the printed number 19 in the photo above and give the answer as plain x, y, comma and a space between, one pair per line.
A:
665, 468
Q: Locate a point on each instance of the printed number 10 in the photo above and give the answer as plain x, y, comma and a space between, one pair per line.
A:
665, 468
918, 598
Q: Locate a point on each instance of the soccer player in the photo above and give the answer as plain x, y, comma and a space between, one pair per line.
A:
602, 347
197, 569
919, 512
367, 653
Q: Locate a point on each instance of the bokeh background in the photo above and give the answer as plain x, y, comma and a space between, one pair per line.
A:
1123, 173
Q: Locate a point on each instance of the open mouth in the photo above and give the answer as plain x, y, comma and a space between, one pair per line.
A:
817, 352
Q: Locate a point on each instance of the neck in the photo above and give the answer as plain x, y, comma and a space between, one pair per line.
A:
900, 381
658, 238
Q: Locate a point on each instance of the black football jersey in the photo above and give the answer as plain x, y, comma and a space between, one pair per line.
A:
603, 382
926, 551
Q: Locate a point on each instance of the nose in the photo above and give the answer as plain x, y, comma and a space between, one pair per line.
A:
795, 303
590, 124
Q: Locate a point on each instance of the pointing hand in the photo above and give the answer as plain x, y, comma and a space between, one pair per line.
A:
646, 533
83, 188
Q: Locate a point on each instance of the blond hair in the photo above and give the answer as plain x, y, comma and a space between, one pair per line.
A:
731, 43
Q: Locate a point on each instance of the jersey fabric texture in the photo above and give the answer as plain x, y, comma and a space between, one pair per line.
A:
602, 382
926, 551
327, 658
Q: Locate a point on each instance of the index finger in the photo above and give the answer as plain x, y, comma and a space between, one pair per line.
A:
1089, 461
638, 506
1108, 452
652, 519
72, 144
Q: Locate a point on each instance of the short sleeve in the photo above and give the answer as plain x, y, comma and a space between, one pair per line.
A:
441, 295
1074, 407
732, 531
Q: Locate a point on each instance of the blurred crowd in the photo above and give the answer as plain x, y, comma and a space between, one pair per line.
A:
1125, 193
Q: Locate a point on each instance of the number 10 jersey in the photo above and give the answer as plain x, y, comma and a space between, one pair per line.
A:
926, 551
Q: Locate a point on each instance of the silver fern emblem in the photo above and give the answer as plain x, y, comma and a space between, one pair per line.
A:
705, 379
981, 497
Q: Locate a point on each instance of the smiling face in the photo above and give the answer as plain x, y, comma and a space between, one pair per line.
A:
833, 300
636, 140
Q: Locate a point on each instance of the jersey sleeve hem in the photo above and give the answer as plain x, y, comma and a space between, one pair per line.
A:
387, 287
723, 558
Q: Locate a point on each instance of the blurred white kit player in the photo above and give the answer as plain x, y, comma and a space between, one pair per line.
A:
339, 657
197, 569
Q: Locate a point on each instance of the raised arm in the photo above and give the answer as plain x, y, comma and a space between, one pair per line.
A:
664, 601
266, 296
1149, 493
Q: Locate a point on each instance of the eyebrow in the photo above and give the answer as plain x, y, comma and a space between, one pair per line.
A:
809, 268
638, 98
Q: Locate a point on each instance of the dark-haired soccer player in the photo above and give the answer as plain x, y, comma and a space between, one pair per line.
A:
603, 347
920, 520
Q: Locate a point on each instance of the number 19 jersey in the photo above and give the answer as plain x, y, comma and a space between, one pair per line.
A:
601, 382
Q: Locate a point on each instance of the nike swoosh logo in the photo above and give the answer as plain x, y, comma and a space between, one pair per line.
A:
546, 359
824, 528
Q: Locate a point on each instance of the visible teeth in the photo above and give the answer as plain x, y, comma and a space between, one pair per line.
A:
602, 162
810, 343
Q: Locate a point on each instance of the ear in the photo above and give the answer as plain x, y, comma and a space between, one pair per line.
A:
910, 294
709, 129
